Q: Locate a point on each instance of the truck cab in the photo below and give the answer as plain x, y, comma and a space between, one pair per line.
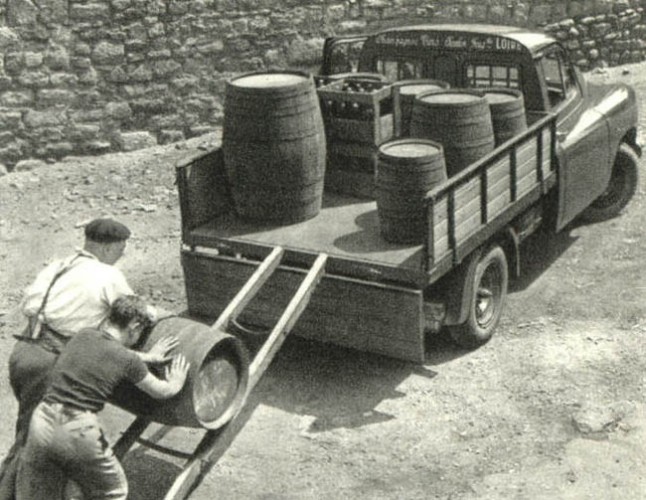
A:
596, 125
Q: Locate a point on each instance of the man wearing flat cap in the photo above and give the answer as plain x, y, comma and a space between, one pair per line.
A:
66, 297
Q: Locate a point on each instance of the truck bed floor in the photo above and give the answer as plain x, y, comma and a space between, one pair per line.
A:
346, 227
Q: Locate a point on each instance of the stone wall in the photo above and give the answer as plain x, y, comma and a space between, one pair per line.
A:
92, 76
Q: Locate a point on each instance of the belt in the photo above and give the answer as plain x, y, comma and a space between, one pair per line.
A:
47, 338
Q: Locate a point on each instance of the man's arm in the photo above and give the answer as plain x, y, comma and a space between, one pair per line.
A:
175, 377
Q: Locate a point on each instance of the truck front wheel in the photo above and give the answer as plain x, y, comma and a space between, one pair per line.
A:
620, 190
489, 289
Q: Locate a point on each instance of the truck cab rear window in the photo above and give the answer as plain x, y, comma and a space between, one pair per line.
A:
400, 70
487, 75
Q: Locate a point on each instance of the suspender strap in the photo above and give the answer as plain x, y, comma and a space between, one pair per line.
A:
34, 332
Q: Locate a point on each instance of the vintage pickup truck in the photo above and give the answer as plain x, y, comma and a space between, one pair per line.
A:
578, 157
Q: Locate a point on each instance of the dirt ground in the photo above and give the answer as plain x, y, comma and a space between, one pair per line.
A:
552, 408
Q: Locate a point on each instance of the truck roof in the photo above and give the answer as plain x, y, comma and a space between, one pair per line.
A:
534, 41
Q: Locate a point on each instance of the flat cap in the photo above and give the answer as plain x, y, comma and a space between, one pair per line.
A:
106, 231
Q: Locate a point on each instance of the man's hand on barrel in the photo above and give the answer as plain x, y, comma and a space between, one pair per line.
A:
160, 352
177, 372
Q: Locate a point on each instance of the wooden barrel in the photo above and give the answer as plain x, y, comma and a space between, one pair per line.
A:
507, 108
216, 383
458, 119
274, 146
404, 94
407, 169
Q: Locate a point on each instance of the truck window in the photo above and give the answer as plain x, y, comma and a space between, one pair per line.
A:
343, 55
395, 70
558, 77
489, 75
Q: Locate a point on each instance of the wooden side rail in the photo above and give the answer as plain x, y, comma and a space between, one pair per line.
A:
479, 201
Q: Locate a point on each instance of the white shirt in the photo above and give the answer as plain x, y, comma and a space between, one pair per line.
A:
81, 296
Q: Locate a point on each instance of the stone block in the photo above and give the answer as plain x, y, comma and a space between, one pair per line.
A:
17, 98
88, 77
29, 165
600, 30
14, 62
10, 120
82, 49
48, 118
5, 82
81, 62
170, 136
53, 97
63, 79
21, 12
8, 39
58, 149
33, 59
57, 58
6, 138
131, 141
165, 122
159, 54
118, 75
164, 69
53, 11
90, 12
119, 5
213, 47
141, 73
97, 147
184, 84
81, 132
108, 53
118, 110
14, 152
153, 105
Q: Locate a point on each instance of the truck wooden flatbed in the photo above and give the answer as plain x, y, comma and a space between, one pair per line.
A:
386, 308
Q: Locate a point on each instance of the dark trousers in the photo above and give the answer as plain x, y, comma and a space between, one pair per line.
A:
30, 366
65, 443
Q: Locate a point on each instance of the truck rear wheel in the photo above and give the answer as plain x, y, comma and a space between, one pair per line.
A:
620, 190
489, 289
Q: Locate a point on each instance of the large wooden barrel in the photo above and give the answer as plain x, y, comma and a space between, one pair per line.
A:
507, 108
407, 169
404, 93
216, 383
274, 146
458, 119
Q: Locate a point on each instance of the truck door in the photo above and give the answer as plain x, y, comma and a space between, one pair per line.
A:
342, 54
582, 136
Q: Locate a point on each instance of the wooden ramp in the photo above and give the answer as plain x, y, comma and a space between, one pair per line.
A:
214, 443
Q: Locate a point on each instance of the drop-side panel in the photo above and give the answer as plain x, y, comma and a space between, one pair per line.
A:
351, 313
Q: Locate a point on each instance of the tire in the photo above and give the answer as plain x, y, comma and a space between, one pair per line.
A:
489, 290
620, 190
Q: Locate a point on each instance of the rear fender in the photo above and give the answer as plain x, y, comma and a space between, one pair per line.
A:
456, 289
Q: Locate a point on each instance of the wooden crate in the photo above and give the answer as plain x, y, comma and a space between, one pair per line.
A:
357, 111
